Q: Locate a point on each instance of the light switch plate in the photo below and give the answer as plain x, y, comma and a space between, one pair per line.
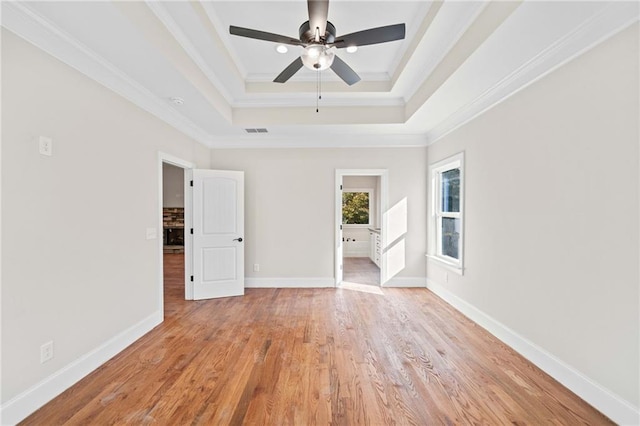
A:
151, 234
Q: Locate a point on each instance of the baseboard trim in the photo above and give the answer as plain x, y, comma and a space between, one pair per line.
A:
611, 405
24, 404
289, 282
406, 282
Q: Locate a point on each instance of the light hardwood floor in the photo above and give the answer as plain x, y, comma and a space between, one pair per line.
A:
360, 270
315, 356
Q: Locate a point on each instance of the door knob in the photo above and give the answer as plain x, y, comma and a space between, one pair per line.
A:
239, 239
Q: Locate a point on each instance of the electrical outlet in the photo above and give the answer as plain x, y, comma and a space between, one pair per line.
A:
45, 145
46, 352
256, 267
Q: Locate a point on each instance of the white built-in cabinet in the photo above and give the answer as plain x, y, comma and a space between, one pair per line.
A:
375, 247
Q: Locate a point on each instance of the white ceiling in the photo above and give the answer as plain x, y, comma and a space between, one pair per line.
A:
458, 59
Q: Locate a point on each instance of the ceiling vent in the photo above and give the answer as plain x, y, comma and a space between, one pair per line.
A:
261, 130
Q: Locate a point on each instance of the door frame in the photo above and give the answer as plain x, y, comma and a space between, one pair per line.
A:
383, 199
186, 166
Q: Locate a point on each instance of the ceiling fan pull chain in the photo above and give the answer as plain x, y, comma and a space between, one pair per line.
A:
317, 89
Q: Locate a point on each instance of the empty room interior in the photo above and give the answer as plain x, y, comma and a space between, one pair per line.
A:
320, 212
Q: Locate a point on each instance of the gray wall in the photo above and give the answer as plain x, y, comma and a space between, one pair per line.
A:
172, 186
76, 265
552, 212
290, 205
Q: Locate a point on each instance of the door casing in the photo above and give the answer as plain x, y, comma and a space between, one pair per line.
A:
186, 165
383, 199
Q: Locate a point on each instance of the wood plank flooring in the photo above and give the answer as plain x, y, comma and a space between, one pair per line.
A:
360, 270
315, 356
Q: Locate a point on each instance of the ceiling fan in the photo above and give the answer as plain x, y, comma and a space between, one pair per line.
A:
318, 37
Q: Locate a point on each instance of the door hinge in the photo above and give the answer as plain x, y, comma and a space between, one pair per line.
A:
340, 187
191, 231
191, 183
341, 267
191, 278
341, 227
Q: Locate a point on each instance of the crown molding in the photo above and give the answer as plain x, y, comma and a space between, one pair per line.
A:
611, 20
223, 35
308, 100
20, 19
265, 140
164, 16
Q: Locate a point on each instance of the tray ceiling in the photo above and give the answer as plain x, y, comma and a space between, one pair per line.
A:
458, 59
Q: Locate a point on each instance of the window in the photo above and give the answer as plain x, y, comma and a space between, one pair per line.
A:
356, 207
447, 212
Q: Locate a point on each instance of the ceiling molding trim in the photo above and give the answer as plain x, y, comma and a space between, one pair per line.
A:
261, 141
482, 26
308, 100
152, 31
170, 24
418, 36
223, 36
328, 76
294, 86
274, 116
610, 21
429, 55
24, 22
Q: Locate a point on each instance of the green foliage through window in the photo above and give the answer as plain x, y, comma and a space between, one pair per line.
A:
355, 208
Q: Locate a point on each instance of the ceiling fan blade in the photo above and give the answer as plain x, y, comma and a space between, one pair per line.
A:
344, 71
261, 35
371, 36
318, 12
289, 71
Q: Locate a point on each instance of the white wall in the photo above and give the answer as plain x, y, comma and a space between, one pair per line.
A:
552, 235
76, 266
290, 205
172, 186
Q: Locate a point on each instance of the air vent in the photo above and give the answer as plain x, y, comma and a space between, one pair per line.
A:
261, 130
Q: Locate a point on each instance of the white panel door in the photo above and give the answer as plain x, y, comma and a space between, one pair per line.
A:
218, 232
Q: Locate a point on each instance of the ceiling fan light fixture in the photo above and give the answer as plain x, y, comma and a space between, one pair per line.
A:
317, 57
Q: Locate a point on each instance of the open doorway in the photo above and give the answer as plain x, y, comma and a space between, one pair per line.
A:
175, 212
361, 198
173, 236
361, 229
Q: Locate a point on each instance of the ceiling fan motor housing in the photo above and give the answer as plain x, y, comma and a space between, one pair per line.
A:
308, 34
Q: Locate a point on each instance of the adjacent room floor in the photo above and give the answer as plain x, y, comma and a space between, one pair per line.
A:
315, 356
360, 270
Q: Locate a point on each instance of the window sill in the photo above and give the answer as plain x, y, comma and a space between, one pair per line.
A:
448, 265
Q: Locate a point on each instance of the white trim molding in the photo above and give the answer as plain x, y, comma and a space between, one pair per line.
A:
20, 19
22, 405
614, 18
289, 282
611, 405
187, 166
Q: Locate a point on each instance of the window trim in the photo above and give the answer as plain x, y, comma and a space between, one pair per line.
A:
436, 214
370, 191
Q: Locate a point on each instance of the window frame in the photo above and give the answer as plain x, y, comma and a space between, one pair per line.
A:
437, 215
370, 191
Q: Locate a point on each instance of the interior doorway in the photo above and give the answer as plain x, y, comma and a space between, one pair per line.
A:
361, 200
173, 236
174, 213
